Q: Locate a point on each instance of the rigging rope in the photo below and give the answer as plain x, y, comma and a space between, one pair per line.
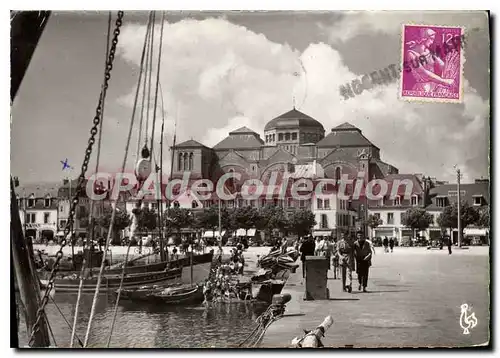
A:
50, 328
81, 179
149, 73
273, 313
135, 219
139, 136
133, 227
65, 320
91, 218
157, 83
101, 269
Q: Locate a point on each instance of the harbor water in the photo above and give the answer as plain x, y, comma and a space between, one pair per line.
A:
141, 325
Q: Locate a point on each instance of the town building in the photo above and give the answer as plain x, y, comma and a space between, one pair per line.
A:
390, 208
475, 194
38, 212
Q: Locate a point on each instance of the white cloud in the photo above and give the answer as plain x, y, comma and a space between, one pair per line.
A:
390, 22
224, 76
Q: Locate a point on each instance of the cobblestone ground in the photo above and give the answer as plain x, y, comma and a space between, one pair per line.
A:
414, 301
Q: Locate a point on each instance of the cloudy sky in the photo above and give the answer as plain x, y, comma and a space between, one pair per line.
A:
221, 71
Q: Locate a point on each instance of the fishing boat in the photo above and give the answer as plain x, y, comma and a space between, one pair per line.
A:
153, 267
110, 283
166, 295
135, 276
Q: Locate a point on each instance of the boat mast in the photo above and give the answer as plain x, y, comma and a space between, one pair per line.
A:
159, 170
172, 157
26, 30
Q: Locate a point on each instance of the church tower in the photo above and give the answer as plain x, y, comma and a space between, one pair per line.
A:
364, 164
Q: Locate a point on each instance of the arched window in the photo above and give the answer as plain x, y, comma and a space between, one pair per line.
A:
397, 201
186, 163
194, 204
338, 173
190, 161
179, 162
230, 180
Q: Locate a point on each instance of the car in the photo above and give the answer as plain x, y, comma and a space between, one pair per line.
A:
435, 244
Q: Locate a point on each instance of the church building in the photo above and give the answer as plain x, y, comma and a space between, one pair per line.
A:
294, 146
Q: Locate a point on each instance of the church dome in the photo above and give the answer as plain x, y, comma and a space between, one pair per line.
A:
293, 119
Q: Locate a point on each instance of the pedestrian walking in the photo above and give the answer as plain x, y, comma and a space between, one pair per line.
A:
321, 246
391, 244
449, 246
284, 245
335, 258
385, 242
346, 260
306, 249
363, 255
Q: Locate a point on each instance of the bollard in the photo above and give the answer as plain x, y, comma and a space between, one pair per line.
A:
316, 278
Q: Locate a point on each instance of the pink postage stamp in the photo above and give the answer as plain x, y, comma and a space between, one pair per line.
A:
433, 60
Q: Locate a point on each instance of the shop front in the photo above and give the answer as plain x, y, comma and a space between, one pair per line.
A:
41, 232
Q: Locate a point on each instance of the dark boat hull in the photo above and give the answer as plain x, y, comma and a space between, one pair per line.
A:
112, 283
179, 296
155, 267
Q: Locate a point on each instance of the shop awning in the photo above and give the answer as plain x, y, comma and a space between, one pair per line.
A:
243, 232
210, 234
475, 232
322, 233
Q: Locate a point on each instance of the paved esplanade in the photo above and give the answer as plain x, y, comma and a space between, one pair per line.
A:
415, 300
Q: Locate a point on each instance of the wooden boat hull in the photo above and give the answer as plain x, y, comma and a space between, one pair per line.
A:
154, 267
112, 283
178, 296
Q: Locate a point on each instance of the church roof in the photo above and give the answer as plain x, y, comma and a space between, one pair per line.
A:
189, 144
241, 138
242, 130
345, 127
345, 135
293, 118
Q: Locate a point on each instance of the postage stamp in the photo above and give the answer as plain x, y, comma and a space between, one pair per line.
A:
433, 59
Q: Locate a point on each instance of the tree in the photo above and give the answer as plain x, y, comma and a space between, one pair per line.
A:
272, 218
246, 218
177, 219
374, 221
484, 217
417, 219
449, 217
122, 221
147, 220
301, 222
208, 219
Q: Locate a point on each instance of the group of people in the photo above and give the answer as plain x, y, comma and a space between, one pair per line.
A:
388, 243
347, 254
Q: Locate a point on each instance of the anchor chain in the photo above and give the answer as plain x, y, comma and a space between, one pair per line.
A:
81, 178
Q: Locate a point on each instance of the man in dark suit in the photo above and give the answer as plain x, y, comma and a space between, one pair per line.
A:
307, 249
363, 255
